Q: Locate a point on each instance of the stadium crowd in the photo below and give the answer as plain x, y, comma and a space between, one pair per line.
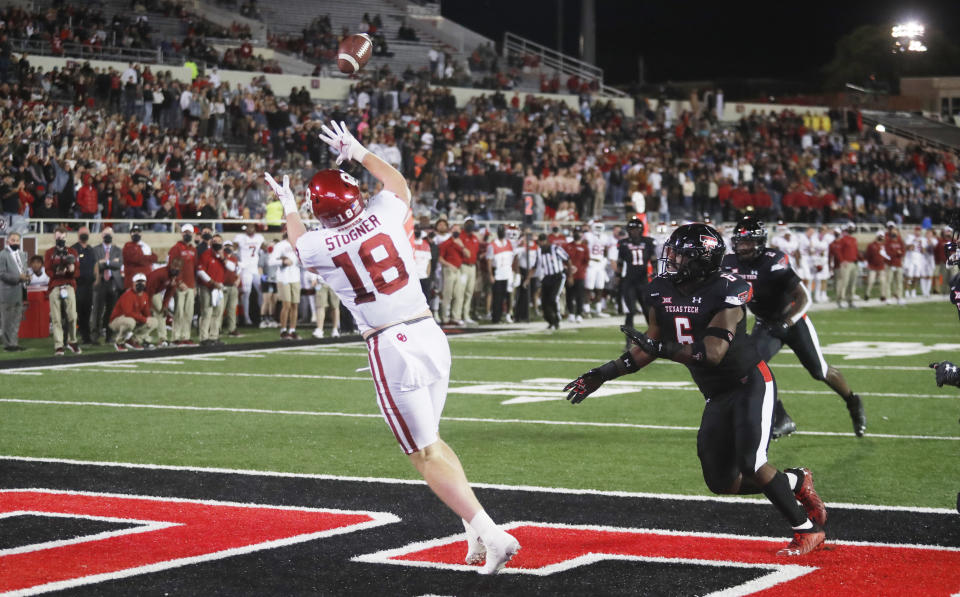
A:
101, 145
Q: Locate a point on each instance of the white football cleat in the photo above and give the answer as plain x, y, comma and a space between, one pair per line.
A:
499, 551
476, 552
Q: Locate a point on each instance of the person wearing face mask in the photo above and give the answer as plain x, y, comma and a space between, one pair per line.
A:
87, 266
108, 285
137, 257
162, 288
130, 319
231, 289
452, 254
210, 275
186, 286
13, 279
206, 234
60, 263
468, 272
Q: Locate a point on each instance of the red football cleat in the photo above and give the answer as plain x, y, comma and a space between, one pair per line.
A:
809, 499
803, 543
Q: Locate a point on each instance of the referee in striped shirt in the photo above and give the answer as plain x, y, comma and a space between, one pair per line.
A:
552, 266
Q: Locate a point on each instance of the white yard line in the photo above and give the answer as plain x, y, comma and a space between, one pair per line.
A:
456, 381
263, 411
525, 488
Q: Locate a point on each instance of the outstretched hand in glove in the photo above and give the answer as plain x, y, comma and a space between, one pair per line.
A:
583, 386
339, 137
284, 193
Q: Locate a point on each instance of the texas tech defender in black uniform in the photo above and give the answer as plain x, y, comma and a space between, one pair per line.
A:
697, 317
780, 302
947, 372
634, 253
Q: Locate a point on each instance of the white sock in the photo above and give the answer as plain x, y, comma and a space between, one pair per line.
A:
792, 479
471, 533
805, 526
484, 525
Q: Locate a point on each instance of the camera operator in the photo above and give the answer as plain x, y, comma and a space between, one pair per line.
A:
60, 262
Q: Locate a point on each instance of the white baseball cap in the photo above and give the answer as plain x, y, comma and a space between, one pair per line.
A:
186, 228
138, 277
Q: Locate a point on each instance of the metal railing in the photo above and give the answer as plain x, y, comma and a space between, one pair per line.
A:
873, 120
46, 225
82, 51
514, 44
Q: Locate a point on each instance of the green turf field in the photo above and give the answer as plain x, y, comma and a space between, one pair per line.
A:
312, 409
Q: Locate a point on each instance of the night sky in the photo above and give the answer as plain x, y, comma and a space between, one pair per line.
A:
682, 40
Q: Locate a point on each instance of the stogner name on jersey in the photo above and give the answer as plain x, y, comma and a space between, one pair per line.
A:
365, 225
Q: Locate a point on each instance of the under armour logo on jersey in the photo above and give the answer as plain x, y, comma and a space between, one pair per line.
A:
696, 300
402, 337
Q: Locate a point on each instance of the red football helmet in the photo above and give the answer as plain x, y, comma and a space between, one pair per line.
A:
336, 197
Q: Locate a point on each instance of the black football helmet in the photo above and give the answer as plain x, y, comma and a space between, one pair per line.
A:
700, 250
749, 230
634, 227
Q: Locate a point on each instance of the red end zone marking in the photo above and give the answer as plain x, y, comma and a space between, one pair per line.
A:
852, 569
203, 530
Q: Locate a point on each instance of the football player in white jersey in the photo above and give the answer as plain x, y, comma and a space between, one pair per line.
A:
804, 265
602, 249
248, 250
913, 261
364, 253
820, 259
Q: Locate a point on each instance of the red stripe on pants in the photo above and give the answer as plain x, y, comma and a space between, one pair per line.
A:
386, 413
386, 391
765, 371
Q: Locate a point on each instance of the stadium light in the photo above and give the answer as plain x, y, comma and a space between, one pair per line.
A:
908, 37
910, 30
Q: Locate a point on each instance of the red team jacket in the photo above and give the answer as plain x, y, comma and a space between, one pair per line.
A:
135, 262
213, 266
68, 279
159, 281
131, 304
451, 252
579, 258
188, 254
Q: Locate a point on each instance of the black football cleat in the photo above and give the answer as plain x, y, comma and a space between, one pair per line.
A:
859, 418
783, 427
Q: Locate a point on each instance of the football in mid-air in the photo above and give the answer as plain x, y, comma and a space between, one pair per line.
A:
354, 52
